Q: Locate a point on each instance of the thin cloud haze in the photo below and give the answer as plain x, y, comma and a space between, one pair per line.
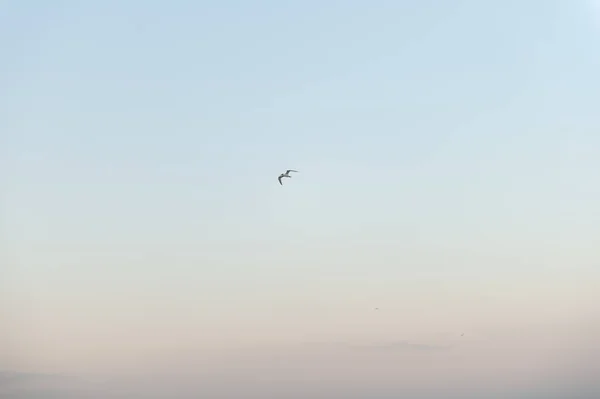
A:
537, 364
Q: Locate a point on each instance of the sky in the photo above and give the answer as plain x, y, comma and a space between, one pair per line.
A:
448, 156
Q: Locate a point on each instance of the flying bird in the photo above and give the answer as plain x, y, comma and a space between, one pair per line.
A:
286, 174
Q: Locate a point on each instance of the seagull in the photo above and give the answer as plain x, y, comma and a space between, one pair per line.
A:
286, 174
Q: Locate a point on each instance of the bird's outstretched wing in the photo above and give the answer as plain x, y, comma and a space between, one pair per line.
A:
279, 178
290, 170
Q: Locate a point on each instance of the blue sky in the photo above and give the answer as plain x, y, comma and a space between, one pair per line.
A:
448, 156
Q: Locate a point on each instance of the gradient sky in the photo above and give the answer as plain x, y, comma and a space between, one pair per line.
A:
449, 158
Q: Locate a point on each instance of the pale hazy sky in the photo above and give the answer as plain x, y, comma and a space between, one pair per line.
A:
449, 158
